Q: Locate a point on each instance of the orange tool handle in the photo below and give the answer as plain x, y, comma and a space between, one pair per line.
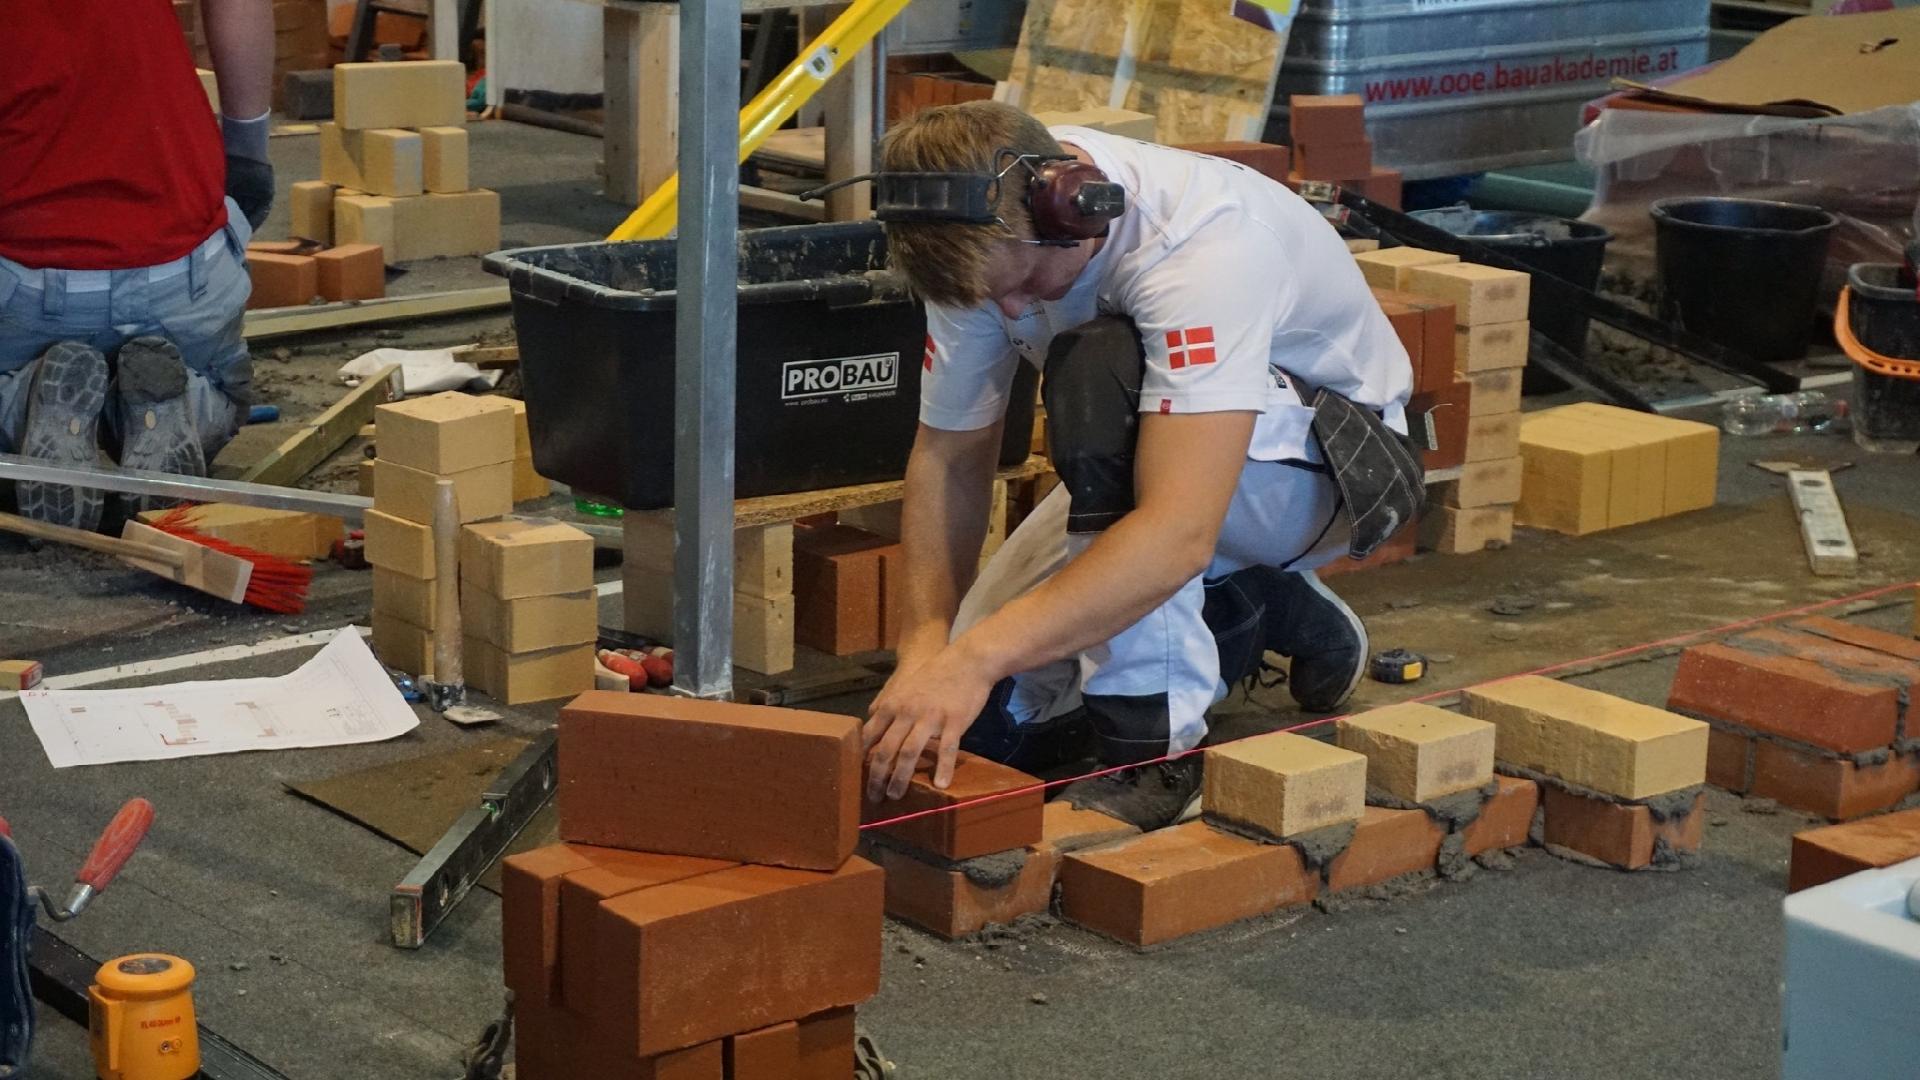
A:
4, 830
116, 844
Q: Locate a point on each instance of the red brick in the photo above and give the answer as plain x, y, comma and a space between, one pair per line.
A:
1178, 881
1267, 159
1729, 760
530, 918
745, 948
557, 1044
1834, 654
999, 825
613, 873
1787, 696
1409, 325
1616, 833
1831, 787
946, 903
826, 1045
711, 779
1449, 423
1865, 637
1333, 161
1827, 854
836, 589
1386, 844
1505, 819
1433, 372
1383, 186
771, 1053
352, 272
281, 280
1329, 118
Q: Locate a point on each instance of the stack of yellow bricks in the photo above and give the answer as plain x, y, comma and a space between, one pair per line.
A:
1590, 467
527, 484
528, 610
1489, 354
393, 166
463, 438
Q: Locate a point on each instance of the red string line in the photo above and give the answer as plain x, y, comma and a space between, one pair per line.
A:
1615, 654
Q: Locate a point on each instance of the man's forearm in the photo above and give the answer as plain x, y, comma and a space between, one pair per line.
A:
943, 524
240, 38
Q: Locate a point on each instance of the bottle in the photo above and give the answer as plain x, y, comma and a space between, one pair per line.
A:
1799, 413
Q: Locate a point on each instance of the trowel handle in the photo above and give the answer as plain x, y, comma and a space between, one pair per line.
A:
116, 844
5, 830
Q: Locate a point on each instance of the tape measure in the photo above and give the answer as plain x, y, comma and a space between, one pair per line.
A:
1397, 666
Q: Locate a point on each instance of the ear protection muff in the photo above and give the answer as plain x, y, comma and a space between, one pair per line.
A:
1071, 200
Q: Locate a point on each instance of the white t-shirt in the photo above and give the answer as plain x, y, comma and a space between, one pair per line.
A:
1244, 296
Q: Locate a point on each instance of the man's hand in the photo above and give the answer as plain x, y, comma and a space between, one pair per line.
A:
249, 171
928, 705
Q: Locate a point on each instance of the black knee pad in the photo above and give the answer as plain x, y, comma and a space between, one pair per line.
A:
1092, 394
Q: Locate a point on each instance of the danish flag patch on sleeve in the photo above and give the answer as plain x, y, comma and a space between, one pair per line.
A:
927, 360
1192, 346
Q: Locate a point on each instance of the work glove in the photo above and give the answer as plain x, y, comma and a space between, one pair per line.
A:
249, 170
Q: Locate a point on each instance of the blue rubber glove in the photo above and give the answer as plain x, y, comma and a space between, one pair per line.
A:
249, 169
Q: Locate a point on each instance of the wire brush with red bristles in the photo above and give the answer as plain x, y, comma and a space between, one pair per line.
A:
276, 584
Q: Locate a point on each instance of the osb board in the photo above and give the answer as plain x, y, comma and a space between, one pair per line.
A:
414, 802
1203, 74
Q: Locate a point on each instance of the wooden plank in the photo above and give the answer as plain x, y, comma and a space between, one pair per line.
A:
847, 114
1823, 524
488, 357
287, 463
802, 149
767, 509
263, 323
779, 202
641, 54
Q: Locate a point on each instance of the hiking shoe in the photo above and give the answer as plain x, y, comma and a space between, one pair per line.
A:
1325, 640
157, 435
63, 428
1146, 796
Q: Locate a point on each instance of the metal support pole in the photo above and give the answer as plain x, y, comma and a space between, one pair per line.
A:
706, 335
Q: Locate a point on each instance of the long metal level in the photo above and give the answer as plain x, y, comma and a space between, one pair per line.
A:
351, 508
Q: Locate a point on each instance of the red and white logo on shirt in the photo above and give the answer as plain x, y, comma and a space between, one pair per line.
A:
1193, 345
927, 360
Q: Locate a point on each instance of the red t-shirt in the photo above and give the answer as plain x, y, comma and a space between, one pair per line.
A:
110, 157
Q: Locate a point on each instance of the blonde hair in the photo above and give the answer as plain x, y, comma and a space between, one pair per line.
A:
946, 262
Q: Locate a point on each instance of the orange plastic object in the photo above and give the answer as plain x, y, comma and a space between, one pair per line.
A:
143, 1025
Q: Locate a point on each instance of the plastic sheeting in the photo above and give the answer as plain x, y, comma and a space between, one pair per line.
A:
1864, 167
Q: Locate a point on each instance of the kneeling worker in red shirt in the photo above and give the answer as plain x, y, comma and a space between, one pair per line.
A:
125, 210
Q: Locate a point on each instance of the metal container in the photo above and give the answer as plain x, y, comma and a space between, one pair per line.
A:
1459, 86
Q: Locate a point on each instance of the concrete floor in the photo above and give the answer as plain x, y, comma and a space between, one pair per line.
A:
1550, 969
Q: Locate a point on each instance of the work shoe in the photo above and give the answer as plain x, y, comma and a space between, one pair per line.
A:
157, 434
1325, 640
63, 428
1148, 797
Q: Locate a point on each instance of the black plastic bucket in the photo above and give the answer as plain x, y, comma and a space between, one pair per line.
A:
1572, 251
827, 377
1883, 317
1743, 272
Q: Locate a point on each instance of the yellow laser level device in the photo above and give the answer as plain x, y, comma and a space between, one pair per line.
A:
142, 1024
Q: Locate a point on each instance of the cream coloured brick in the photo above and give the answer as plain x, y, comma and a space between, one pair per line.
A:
762, 625
445, 158
447, 432
1453, 531
1285, 784
1387, 267
364, 219
1479, 294
405, 94
397, 544
381, 161
762, 554
1494, 392
1418, 752
437, 226
1493, 437
1490, 346
1611, 745
1483, 483
310, 204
